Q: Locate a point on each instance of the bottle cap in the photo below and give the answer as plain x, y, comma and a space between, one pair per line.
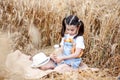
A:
56, 46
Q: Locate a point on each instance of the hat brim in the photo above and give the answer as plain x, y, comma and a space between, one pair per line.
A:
40, 64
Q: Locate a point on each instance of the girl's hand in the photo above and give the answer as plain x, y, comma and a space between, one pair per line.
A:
58, 59
53, 56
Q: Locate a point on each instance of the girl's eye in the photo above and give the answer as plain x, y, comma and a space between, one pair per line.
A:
70, 29
67, 29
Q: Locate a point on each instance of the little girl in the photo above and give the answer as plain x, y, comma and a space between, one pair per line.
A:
72, 43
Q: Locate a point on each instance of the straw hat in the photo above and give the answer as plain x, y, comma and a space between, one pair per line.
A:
40, 59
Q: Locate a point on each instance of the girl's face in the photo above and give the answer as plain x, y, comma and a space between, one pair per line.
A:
71, 29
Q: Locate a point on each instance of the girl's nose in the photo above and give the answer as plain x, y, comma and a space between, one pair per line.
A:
69, 32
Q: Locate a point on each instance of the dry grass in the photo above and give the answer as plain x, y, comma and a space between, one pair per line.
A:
80, 75
35, 24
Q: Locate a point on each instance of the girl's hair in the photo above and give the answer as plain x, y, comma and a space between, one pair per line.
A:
72, 20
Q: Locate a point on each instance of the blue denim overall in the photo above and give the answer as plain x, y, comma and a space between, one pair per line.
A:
75, 62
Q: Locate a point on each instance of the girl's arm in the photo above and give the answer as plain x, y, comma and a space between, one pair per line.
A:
75, 55
78, 52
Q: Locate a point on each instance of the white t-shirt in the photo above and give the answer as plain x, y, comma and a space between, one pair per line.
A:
79, 40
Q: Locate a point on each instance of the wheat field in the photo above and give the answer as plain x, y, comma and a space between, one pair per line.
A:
34, 25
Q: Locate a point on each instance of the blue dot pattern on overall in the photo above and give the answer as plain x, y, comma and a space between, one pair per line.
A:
75, 62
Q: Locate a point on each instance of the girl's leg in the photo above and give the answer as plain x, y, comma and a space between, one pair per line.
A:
63, 68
